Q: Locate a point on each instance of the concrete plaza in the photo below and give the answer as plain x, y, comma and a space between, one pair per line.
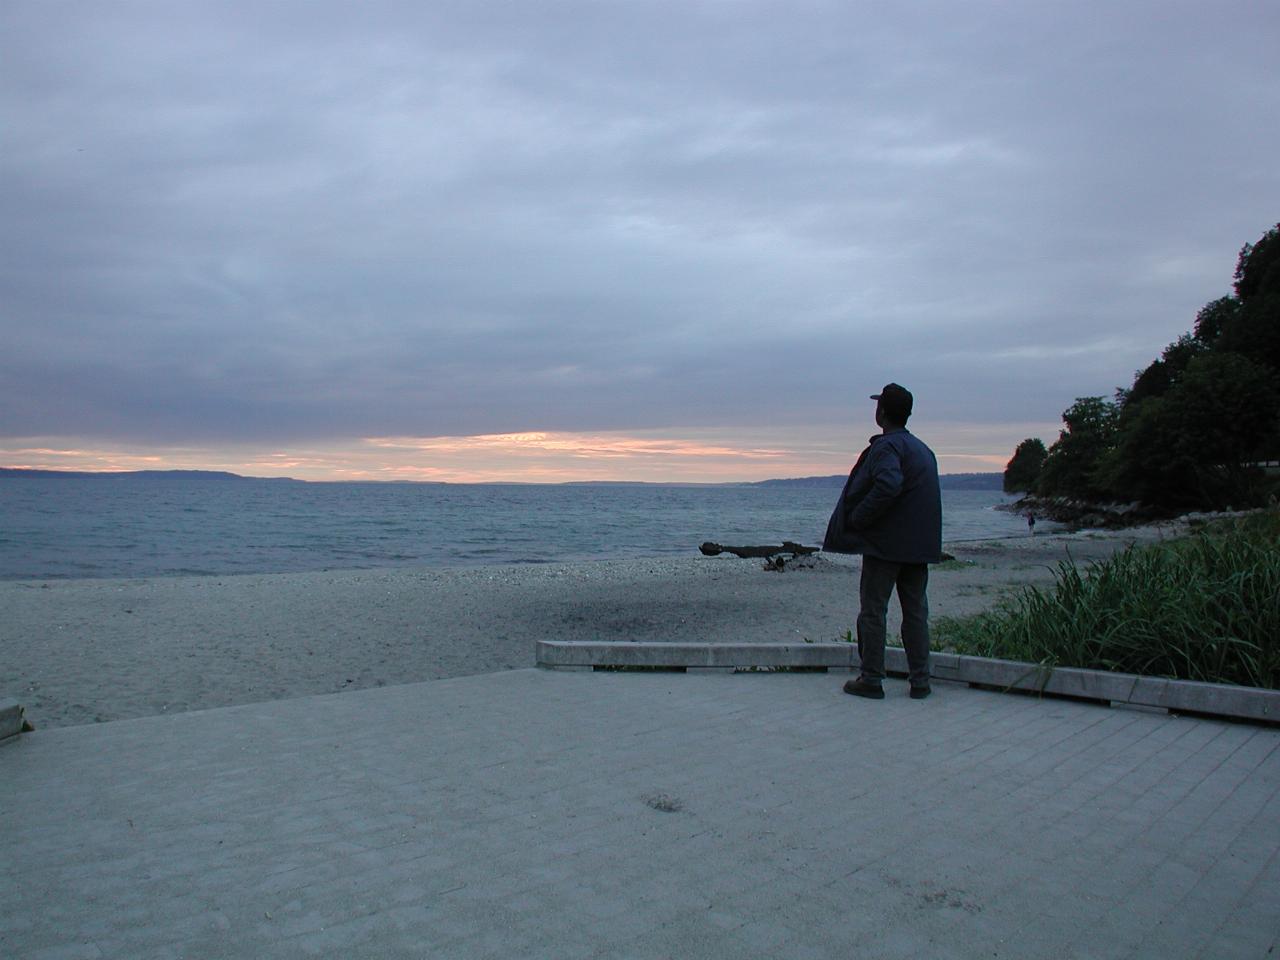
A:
638, 815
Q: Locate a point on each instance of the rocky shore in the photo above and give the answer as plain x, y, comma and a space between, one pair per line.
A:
1084, 514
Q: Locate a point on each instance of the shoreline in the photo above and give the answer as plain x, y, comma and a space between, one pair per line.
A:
85, 651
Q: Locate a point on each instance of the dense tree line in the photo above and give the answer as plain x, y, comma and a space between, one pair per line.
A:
1197, 420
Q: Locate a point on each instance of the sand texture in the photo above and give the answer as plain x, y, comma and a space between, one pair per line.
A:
85, 651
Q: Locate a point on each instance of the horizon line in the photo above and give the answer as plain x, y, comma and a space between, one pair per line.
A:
9, 471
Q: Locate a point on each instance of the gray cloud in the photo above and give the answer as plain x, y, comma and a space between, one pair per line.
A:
274, 222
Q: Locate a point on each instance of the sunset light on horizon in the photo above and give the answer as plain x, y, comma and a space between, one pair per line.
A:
693, 456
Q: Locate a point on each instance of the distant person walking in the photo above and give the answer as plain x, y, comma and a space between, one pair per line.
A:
890, 511
1031, 524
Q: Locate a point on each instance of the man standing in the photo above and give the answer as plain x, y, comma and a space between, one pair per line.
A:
890, 511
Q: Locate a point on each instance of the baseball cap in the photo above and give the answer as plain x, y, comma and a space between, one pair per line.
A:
896, 398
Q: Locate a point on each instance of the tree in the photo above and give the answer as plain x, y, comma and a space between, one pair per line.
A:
1184, 433
1222, 411
1253, 328
1192, 446
1070, 467
1162, 374
1144, 465
1022, 472
1258, 267
1213, 317
1206, 407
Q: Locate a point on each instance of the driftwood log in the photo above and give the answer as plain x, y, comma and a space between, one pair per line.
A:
796, 550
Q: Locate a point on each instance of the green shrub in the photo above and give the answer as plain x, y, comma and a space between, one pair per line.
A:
1203, 608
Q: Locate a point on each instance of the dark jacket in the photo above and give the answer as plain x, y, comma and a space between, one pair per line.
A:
891, 505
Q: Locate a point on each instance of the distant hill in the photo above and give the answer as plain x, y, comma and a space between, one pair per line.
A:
972, 481
835, 481
6, 472
949, 481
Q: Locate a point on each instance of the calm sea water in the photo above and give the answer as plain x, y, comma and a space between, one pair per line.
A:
143, 527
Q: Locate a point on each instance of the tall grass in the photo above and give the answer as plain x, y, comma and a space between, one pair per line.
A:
1202, 608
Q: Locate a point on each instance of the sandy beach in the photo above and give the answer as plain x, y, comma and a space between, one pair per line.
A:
86, 651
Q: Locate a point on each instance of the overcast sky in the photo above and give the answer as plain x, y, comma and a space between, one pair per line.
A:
637, 240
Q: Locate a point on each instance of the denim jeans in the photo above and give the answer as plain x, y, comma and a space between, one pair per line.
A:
879, 577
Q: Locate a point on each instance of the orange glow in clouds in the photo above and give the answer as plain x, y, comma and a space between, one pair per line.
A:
556, 457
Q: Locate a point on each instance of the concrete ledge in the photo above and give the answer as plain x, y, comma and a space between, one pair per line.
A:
563, 653
12, 720
1216, 699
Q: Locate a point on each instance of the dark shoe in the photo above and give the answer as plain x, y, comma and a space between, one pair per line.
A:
864, 688
919, 693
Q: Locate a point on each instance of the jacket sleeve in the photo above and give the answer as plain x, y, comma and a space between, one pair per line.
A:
839, 538
885, 469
